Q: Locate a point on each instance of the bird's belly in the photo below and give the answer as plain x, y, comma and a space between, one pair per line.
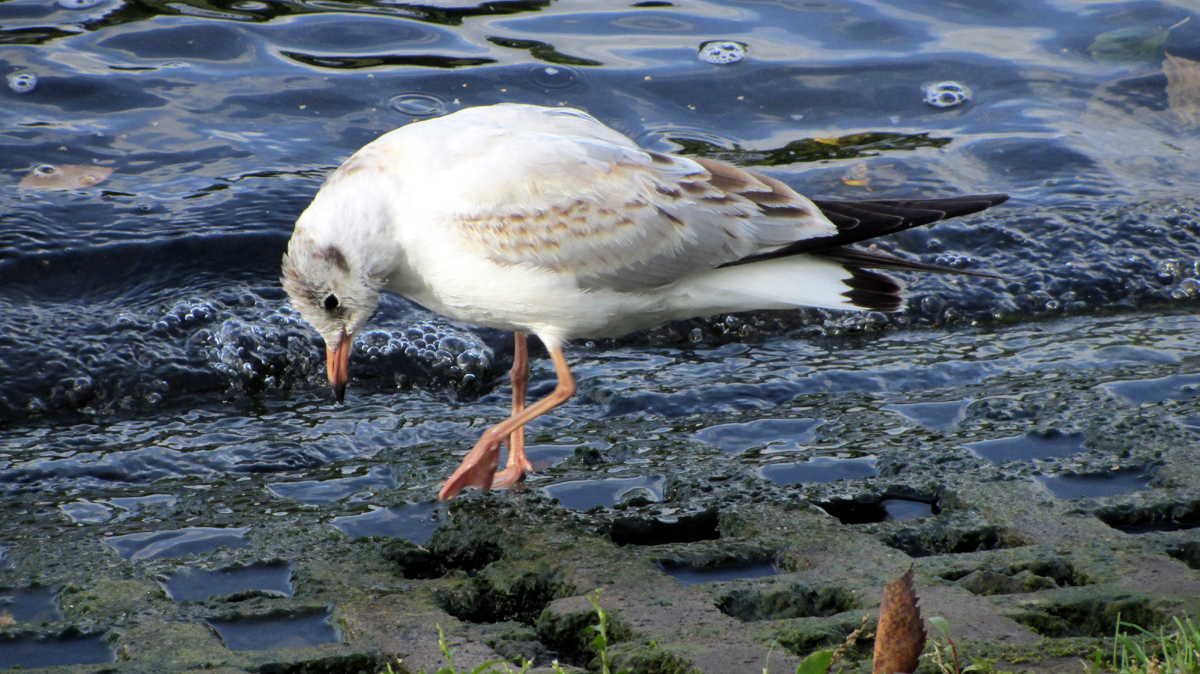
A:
526, 298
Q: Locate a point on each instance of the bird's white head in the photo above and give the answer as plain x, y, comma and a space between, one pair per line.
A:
335, 292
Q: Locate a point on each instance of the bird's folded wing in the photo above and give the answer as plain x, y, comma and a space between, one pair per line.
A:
617, 217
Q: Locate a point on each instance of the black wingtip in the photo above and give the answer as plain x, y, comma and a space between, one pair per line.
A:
873, 291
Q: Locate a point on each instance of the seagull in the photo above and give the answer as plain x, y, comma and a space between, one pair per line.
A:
544, 221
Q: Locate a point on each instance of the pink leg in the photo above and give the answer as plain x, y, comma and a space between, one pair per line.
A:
514, 472
479, 466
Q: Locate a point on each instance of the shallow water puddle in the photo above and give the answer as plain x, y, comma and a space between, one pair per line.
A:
854, 511
545, 457
1028, 447
28, 605
777, 434
1096, 485
818, 469
901, 509
290, 630
54, 651
411, 521
325, 492
84, 511
1142, 391
176, 543
689, 528
689, 575
190, 584
936, 416
584, 495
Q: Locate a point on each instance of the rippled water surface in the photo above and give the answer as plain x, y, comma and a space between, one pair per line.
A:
156, 155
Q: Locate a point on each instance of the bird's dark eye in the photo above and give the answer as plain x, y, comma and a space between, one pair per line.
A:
331, 303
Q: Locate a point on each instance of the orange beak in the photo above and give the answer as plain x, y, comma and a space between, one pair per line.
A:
337, 365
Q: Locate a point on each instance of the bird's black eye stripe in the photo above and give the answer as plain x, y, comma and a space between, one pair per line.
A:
331, 303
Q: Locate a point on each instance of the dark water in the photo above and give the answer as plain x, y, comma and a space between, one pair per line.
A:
51, 651
289, 630
191, 584
147, 353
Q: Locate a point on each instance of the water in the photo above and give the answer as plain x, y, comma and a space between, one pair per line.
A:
411, 521
1097, 485
290, 630
819, 469
689, 575
938, 416
29, 605
177, 542
1031, 446
193, 584
65, 649
157, 392
587, 494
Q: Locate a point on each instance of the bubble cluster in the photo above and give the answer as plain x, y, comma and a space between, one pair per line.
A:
424, 353
555, 77
722, 52
418, 105
946, 94
22, 83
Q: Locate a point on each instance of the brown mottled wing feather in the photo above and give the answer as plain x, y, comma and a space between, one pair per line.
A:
620, 218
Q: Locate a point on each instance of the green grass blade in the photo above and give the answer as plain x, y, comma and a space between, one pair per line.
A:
816, 663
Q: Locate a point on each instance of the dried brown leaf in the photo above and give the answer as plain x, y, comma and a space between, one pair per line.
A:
65, 177
900, 637
1183, 88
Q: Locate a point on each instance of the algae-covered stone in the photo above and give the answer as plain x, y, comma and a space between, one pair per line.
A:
772, 601
563, 627
412, 560
1087, 612
506, 591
